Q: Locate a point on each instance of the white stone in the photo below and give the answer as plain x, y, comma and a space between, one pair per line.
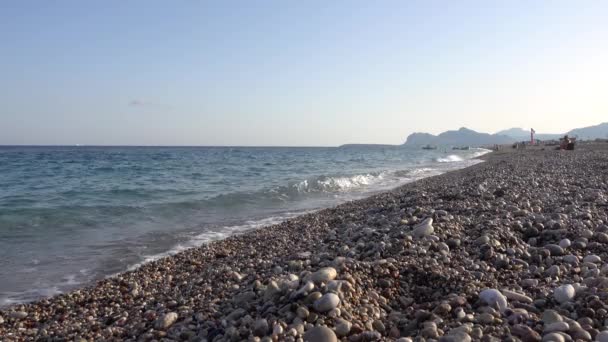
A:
327, 302
602, 336
236, 276
309, 286
423, 229
592, 258
494, 298
520, 297
551, 316
555, 327
579, 334
277, 330
565, 243
320, 334
324, 275
554, 337
165, 321
458, 336
342, 327
564, 293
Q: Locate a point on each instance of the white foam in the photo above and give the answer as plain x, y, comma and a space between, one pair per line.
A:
9, 298
337, 184
421, 170
450, 159
347, 183
372, 182
477, 152
209, 236
480, 152
70, 279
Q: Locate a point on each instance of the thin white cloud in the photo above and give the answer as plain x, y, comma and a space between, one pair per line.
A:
145, 103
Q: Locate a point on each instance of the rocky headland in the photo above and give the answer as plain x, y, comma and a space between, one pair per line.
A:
512, 249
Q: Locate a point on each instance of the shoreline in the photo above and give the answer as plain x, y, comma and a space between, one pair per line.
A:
380, 274
288, 215
350, 186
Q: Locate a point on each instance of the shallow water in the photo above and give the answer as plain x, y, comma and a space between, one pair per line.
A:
70, 215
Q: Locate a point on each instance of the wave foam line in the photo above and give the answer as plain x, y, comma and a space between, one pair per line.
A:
213, 235
449, 159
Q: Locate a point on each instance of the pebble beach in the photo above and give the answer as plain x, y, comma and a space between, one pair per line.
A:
511, 249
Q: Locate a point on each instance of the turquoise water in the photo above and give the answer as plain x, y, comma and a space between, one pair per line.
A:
71, 215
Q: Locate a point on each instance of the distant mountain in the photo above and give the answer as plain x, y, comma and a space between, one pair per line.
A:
420, 139
521, 134
592, 132
463, 136
468, 137
515, 132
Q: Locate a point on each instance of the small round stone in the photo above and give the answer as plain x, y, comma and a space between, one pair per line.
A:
327, 302
260, 327
494, 298
424, 229
320, 334
602, 336
592, 258
551, 316
554, 337
557, 326
165, 321
302, 312
565, 243
324, 275
342, 327
564, 293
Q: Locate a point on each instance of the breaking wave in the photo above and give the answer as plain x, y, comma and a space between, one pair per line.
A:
449, 159
332, 184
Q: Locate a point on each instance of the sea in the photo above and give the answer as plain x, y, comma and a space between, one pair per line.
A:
71, 215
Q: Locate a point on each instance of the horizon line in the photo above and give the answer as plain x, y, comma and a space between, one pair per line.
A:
231, 146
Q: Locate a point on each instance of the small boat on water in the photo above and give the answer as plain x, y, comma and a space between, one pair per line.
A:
461, 148
429, 147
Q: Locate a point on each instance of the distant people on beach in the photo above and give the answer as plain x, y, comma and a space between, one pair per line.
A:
567, 143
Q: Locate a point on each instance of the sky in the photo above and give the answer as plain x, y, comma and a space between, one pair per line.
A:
305, 73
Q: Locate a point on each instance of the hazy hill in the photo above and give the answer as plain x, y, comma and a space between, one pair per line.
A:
514, 132
420, 139
591, 132
521, 134
463, 136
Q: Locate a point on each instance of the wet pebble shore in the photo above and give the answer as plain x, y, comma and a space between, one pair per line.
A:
513, 249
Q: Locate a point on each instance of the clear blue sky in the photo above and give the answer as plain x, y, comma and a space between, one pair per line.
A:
296, 72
